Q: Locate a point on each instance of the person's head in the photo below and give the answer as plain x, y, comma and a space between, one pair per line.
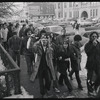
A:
42, 33
66, 44
94, 36
24, 25
5, 25
14, 33
63, 31
17, 25
31, 26
28, 32
77, 39
44, 40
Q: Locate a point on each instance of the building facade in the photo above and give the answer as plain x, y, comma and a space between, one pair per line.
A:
40, 10
68, 10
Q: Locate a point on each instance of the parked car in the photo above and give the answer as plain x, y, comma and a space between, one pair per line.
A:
84, 23
94, 27
56, 29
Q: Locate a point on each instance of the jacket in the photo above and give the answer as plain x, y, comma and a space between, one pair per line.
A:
38, 51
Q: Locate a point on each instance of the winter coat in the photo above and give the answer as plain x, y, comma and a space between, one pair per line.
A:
93, 55
62, 64
24, 49
38, 50
75, 57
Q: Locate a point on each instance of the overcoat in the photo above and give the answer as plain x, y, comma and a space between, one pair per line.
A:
75, 57
37, 48
93, 55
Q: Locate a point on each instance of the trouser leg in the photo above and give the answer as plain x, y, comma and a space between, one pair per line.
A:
47, 79
60, 79
28, 61
67, 82
97, 80
18, 59
41, 84
77, 77
89, 78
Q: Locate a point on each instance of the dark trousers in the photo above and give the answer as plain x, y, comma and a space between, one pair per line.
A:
5, 45
15, 56
29, 62
66, 80
90, 76
44, 81
76, 75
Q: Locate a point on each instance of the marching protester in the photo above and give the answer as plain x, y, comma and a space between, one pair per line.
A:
43, 65
75, 58
92, 50
29, 56
10, 31
22, 31
63, 57
14, 45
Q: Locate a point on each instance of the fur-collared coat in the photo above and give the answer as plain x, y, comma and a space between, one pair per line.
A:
37, 48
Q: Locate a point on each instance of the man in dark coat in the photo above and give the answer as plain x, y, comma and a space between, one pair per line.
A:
92, 49
14, 44
75, 57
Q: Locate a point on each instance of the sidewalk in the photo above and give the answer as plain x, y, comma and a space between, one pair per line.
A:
33, 88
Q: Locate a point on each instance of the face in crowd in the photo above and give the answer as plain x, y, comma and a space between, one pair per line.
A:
29, 33
93, 37
65, 44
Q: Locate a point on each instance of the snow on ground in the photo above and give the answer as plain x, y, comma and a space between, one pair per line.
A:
24, 94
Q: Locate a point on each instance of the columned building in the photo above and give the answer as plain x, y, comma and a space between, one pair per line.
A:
68, 10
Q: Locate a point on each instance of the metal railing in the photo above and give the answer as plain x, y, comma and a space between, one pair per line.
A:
11, 74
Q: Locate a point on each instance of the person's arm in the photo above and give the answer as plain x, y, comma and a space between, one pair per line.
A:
89, 49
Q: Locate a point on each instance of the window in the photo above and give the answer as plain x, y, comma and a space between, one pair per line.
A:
58, 5
59, 15
96, 12
91, 12
70, 14
65, 5
70, 4
65, 14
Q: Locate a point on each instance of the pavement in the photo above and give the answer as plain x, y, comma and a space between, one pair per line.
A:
33, 88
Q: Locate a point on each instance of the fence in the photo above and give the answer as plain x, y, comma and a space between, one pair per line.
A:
11, 74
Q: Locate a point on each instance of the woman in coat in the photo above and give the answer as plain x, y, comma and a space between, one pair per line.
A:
63, 64
92, 49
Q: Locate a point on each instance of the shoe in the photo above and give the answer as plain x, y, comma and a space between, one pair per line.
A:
48, 94
92, 94
80, 87
56, 90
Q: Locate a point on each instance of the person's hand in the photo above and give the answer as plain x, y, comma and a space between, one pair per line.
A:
67, 59
60, 58
94, 42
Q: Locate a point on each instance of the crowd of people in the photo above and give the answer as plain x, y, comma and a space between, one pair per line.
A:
47, 55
